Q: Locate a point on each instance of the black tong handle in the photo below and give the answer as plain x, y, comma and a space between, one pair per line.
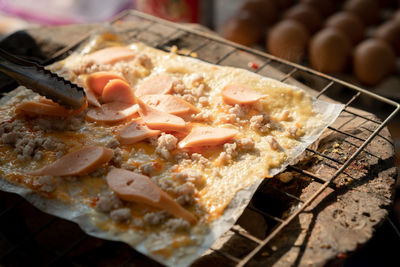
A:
42, 81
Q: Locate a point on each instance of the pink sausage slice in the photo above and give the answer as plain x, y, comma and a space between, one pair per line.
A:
155, 85
170, 104
91, 97
46, 107
135, 131
96, 81
158, 120
112, 112
111, 55
79, 162
207, 136
131, 186
118, 91
240, 94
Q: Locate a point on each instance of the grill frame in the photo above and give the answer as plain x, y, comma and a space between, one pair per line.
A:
231, 48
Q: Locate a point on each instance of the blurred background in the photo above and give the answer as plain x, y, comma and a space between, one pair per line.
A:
354, 40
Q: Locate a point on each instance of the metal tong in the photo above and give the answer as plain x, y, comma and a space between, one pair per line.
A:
42, 81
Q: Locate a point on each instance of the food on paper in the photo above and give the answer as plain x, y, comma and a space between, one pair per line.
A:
167, 154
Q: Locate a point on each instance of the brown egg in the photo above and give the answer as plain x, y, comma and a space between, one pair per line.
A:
325, 7
243, 28
390, 32
373, 60
367, 10
288, 40
349, 23
283, 4
266, 10
396, 15
305, 14
329, 50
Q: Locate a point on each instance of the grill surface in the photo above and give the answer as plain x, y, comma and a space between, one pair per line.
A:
36, 238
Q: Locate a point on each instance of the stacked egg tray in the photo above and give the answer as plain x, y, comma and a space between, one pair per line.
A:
354, 40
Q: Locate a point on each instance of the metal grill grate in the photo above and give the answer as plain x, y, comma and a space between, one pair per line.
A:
210, 48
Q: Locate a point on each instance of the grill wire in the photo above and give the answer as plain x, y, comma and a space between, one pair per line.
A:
58, 245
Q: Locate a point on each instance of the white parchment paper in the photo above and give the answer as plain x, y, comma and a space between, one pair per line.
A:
83, 214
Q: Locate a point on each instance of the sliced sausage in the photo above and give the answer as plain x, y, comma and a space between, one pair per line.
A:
96, 81
47, 101
79, 162
112, 112
158, 120
240, 94
131, 186
170, 104
91, 97
135, 131
155, 85
110, 55
207, 136
46, 107
118, 91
